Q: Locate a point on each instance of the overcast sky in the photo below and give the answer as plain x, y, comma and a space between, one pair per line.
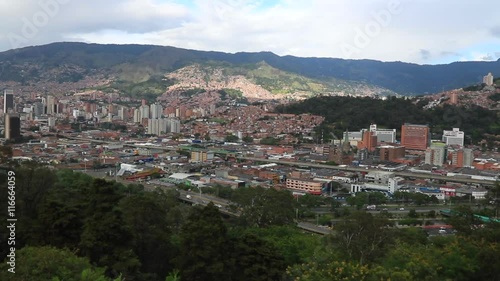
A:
419, 31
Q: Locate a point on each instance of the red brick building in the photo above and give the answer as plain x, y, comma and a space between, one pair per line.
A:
369, 141
415, 137
391, 153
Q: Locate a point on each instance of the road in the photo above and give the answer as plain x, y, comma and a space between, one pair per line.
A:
202, 199
314, 165
357, 169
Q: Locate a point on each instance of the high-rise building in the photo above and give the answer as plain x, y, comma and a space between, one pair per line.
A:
174, 126
435, 154
123, 113
156, 111
8, 100
453, 137
468, 157
137, 115
461, 157
158, 126
454, 98
488, 79
144, 111
12, 126
51, 105
38, 109
415, 137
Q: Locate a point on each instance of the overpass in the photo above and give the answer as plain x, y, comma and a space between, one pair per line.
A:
198, 198
205, 199
358, 170
404, 174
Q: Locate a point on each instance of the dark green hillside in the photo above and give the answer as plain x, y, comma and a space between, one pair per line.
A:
347, 113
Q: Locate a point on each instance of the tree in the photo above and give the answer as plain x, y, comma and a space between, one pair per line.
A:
289, 242
265, 207
412, 214
247, 139
106, 240
231, 138
48, 263
362, 237
329, 271
33, 183
270, 141
447, 259
5, 153
145, 215
173, 276
204, 247
256, 259
61, 217
311, 201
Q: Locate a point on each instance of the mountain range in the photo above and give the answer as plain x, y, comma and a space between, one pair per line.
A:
72, 62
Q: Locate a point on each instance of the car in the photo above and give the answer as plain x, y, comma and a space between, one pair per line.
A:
401, 209
218, 205
188, 196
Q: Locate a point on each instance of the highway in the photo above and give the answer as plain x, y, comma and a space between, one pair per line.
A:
197, 198
404, 174
357, 169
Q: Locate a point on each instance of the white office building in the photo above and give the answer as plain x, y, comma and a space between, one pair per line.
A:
453, 137
384, 135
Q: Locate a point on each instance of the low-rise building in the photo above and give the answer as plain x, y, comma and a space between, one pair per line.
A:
305, 185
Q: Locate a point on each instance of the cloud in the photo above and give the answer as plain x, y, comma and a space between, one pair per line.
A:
424, 31
425, 54
44, 21
495, 31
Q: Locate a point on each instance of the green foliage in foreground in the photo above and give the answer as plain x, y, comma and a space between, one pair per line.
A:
48, 263
74, 227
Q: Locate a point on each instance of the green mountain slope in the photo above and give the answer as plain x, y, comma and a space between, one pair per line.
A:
138, 63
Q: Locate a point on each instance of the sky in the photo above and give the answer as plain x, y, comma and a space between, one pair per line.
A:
416, 31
